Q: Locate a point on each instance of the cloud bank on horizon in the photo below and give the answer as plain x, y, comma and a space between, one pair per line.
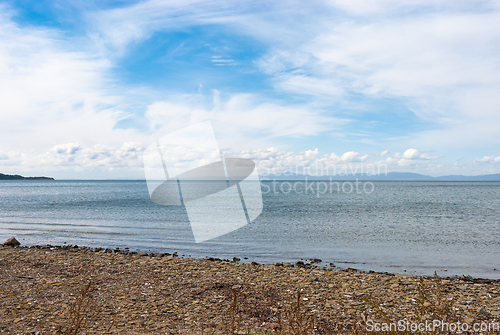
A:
86, 86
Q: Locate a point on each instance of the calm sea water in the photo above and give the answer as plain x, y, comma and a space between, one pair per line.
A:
405, 227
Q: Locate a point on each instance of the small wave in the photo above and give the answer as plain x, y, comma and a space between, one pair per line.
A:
71, 231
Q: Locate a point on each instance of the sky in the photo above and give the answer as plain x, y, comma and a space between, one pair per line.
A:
86, 86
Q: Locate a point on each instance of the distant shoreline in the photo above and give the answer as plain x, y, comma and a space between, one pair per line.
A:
267, 180
19, 177
390, 176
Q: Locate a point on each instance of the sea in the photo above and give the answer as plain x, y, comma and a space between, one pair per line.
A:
412, 227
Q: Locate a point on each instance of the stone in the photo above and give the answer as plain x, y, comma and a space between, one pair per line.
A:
12, 241
299, 264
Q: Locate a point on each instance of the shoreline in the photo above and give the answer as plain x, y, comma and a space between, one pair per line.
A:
310, 263
139, 293
306, 263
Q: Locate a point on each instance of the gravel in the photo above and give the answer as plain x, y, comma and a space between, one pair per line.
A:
130, 293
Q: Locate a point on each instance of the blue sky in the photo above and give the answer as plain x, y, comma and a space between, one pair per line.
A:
86, 86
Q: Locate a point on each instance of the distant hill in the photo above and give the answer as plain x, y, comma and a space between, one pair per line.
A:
391, 176
18, 177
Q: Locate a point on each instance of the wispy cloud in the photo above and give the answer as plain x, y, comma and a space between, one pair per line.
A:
242, 120
49, 90
220, 61
116, 29
440, 61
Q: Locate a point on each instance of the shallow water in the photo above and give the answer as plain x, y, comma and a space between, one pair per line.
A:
407, 227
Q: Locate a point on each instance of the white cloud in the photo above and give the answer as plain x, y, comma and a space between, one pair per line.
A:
58, 108
348, 157
273, 157
40, 73
127, 155
53, 92
69, 148
274, 160
411, 154
426, 156
488, 159
411, 157
406, 162
277, 161
72, 160
241, 121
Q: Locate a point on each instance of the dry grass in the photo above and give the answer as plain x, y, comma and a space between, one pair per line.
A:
431, 304
292, 318
80, 312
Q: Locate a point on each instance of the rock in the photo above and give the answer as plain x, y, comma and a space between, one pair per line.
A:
483, 311
12, 241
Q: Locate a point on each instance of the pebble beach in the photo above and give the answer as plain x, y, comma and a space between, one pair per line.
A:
70, 289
